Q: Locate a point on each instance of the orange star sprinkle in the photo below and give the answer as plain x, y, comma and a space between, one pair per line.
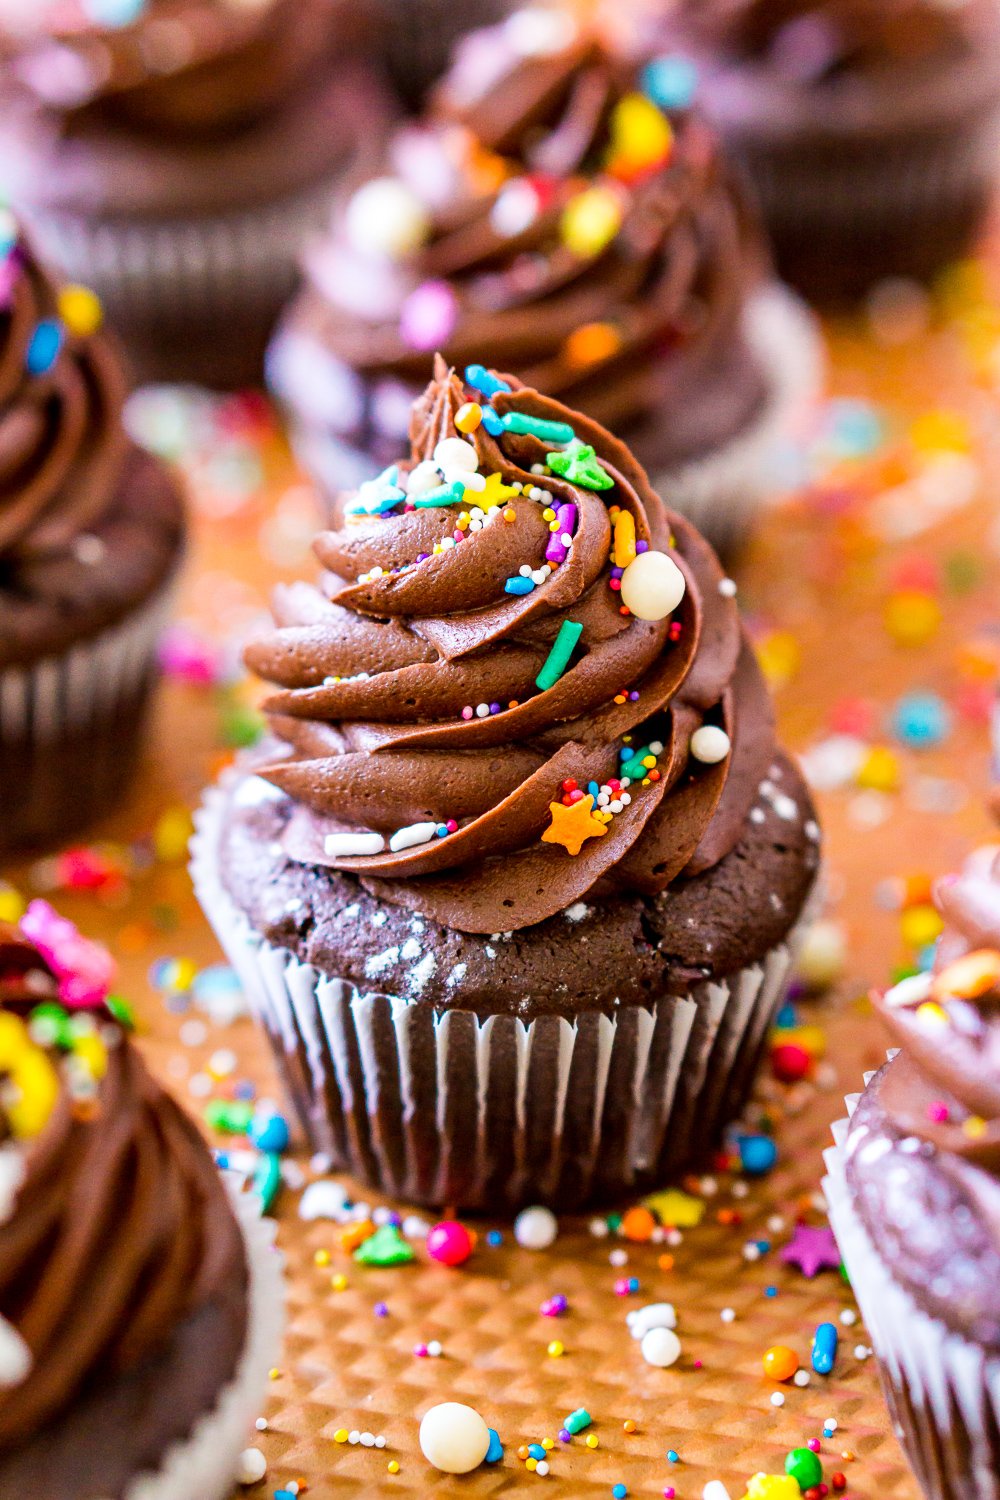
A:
572, 826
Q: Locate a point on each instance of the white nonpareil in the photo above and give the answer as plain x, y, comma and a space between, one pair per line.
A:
15, 1356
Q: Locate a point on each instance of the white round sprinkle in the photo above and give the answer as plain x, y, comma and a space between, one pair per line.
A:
801, 1378
727, 588
426, 476
15, 1356
728, 1315
456, 453
354, 1437
652, 586
387, 219
830, 1424
715, 1490
661, 1347
710, 744
599, 1227
261, 1424
777, 1399
380, 1441
848, 1317
323, 1200
618, 1258
368, 1440
535, 1228
542, 1467
454, 1438
434, 1349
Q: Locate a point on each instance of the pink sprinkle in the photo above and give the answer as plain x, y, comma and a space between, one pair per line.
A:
451, 825
467, 713
85, 970
187, 658
813, 1445
428, 316
938, 1112
697, 1364
420, 1350
669, 1492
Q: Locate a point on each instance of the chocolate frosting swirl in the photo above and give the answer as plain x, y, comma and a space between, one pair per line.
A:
822, 39
182, 67
120, 1230
406, 688
524, 124
62, 444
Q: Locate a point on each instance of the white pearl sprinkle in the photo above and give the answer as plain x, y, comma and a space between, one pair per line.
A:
777, 1399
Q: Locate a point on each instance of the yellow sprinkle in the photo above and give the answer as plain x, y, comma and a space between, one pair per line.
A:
12, 904
932, 1014
274, 1374
531, 1463
338, 1282
80, 309
548, 514
974, 1128
341, 1435
548, 1443
392, 1466
556, 1348
593, 1440
469, 416
322, 1257
510, 514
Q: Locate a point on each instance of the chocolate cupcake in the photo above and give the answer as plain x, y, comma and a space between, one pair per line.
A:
174, 155
915, 1199
91, 534
139, 1303
549, 209
869, 128
516, 884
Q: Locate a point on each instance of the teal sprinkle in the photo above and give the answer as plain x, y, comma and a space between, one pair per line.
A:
578, 1420
267, 1179
580, 465
378, 495
633, 767
558, 658
546, 432
447, 494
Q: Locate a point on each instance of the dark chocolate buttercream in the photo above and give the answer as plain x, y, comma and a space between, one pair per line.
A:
539, 120
924, 1143
62, 445
120, 1229
406, 684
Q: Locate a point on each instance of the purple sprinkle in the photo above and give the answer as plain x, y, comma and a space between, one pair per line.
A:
557, 550
381, 1310
642, 546
633, 696
494, 708
564, 1436
617, 572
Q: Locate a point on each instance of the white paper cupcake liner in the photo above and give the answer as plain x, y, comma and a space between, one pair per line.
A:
70, 727
943, 1392
204, 1466
723, 492
439, 1106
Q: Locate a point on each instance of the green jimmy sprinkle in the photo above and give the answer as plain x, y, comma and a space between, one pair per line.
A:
546, 432
558, 658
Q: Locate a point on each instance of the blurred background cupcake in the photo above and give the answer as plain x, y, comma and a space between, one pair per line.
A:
914, 1195
582, 226
173, 154
91, 535
869, 128
137, 1296
516, 883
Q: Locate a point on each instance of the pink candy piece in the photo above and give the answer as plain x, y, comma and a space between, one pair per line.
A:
450, 1243
85, 970
187, 658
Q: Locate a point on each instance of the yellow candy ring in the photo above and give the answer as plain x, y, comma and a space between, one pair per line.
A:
30, 1089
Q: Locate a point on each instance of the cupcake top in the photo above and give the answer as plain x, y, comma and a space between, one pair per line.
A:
88, 525
137, 104
878, 64
924, 1143
553, 207
176, 66
114, 1222
522, 681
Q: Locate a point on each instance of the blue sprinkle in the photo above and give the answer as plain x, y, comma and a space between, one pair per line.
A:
494, 1452
619, 1491
921, 720
479, 377
855, 428
441, 830
824, 1348
758, 1154
787, 1018
494, 1238
770, 1291
519, 585
114, 13
673, 1456
535, 1450
492, 422
269, 1132
43, 350
671, 82
593, 789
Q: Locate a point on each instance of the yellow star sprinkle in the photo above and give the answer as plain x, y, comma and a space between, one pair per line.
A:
572, 826
680, 1210
495, 493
